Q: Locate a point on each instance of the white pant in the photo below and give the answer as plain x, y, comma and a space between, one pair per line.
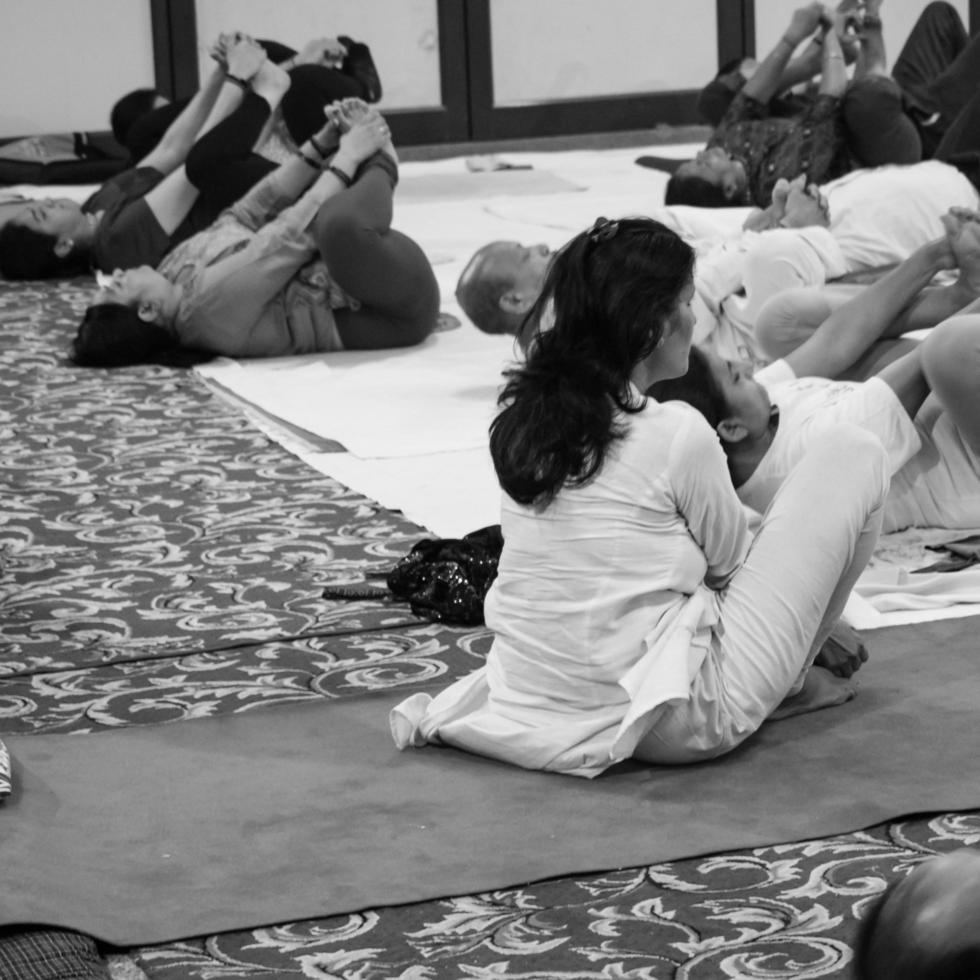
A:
780, 606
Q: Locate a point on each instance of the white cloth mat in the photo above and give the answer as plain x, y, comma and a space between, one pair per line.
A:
415, 420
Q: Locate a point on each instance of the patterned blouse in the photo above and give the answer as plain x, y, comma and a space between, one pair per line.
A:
810, 143
253, 284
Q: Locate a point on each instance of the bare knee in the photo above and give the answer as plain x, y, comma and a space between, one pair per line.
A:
788, 319
878, 130
950, 352
950, 358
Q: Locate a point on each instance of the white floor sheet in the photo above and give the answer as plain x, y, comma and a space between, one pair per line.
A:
414, 421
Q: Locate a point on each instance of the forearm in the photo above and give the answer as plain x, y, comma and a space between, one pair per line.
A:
933, 305
298, 217
181, 134
875, 313
802, 68
833, 71
767, 80
278, 190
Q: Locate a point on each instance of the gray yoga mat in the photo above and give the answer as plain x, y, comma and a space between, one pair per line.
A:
146, 835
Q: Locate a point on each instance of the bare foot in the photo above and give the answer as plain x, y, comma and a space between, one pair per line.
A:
843, 651
354, 110
328, 136
821, 689
244, 58
962, 228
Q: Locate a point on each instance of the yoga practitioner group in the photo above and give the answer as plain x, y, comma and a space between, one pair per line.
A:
634, 613
209, 246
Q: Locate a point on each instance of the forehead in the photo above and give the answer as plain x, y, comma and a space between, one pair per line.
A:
503, 257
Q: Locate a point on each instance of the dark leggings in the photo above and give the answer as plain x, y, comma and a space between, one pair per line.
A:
937, 73
384, 269
222, 164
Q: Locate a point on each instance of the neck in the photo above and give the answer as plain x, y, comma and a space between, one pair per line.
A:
87, 228
170, 306
744, 456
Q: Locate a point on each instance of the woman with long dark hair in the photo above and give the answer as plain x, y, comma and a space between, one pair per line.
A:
306, 261
633, 615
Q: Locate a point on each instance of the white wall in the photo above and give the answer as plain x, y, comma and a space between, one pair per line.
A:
898, 16
545, 50
403, 36
63, 63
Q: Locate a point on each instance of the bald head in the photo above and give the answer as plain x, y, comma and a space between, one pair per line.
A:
926, 927
500, 284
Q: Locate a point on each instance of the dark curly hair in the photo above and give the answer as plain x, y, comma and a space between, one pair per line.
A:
26, 253
113, 335
697, 192
611, 290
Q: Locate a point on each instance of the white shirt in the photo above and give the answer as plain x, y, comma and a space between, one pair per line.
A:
809, 405
878, 217
602, 607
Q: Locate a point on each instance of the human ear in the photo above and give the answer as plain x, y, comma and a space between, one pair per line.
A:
731, 430
63, 247
147, 312
511, 302
729, 186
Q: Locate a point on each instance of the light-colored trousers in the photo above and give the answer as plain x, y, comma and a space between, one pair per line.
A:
815, 539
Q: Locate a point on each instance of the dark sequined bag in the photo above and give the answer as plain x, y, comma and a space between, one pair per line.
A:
447, 579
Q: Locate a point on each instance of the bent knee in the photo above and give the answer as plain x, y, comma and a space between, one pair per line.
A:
787, 319
853, 459
950, 358
878, 130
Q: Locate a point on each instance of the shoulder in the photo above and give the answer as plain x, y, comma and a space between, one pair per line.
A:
682, 430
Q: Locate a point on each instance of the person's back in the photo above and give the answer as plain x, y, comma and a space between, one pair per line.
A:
583, 585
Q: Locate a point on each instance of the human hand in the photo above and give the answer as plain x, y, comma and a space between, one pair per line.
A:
348, 111
365, 135
805, 205
843, 652
219, 49
805, 21
322, 51
245, 57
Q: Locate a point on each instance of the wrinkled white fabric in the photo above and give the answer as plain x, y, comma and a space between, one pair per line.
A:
630, 619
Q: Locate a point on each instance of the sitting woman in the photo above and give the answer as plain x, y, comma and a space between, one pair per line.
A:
290, 269
633, 616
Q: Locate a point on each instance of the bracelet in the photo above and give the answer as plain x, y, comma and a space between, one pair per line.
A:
339, 174
309, 161
319, 149
870, 20
242, 83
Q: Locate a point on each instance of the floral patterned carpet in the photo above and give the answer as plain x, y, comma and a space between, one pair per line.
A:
163, 561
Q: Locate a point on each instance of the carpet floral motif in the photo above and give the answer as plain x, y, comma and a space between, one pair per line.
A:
163, 561
141, 516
